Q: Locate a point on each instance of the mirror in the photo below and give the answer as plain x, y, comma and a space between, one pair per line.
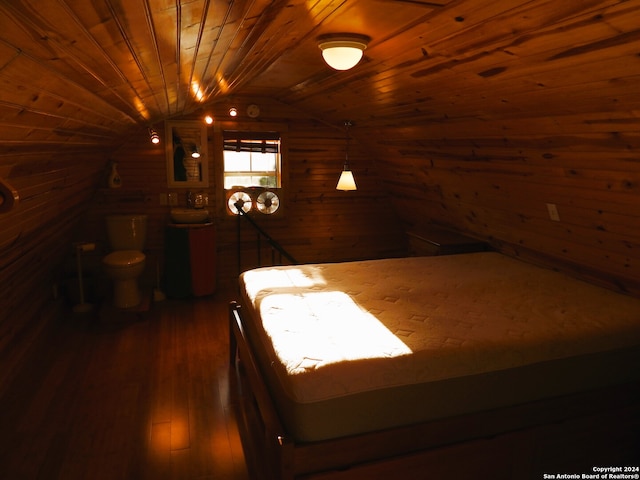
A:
187, 156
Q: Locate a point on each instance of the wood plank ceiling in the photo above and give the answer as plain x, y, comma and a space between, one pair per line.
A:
85, 72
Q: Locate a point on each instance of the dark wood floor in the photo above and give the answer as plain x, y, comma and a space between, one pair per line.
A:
114, 395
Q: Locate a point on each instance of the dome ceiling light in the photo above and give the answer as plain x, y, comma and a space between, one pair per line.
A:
344, 50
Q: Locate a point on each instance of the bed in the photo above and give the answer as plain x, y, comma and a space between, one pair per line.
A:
382, 368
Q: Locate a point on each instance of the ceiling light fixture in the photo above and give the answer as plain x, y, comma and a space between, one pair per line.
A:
233, 111
346, 182
153, 135
342, 51
208, 119
195, 153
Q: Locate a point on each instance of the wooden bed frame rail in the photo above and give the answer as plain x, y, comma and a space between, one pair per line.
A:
267, 431
493, 444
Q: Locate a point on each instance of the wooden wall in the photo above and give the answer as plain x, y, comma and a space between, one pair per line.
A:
55, 185
494, 180
318, 224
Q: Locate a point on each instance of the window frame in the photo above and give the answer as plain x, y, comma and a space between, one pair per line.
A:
243, 138
218, 155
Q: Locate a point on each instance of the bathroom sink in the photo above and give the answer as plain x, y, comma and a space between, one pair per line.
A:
189, 215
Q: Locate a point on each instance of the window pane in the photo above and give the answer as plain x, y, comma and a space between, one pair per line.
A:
237, 161
251, 167
266, 181
264, 162
234, 181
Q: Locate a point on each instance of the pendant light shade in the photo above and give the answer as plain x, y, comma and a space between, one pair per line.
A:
346, 182
153, 136
342, 51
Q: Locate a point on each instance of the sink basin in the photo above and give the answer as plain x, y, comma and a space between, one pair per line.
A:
189, 215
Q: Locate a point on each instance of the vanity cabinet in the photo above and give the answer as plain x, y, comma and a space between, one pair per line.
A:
190, 260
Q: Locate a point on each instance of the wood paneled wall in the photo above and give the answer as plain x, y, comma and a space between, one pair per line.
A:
494, 181
55, 186
319, 223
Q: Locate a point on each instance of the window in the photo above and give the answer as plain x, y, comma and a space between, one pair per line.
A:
251, 159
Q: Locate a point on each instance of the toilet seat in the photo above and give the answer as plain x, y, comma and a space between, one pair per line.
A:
124, 258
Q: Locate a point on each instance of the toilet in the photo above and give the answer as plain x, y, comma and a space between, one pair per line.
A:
127, 235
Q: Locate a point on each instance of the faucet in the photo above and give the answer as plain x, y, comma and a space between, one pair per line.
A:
189, 199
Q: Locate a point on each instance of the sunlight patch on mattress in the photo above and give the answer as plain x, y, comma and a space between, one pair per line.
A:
264, 280
311, 330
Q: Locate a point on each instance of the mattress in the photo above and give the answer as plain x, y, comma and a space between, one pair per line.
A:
354, 347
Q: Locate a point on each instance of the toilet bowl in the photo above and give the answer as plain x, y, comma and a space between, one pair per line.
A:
126, 263
124, 267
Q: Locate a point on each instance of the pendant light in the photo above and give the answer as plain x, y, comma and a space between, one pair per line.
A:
346, 182
153, 136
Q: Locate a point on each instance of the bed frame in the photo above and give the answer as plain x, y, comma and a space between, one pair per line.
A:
570, 434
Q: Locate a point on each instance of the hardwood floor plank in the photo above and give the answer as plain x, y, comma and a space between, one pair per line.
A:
162, 372
159, 458
115, 395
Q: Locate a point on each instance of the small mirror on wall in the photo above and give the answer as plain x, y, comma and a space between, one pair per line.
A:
187, 155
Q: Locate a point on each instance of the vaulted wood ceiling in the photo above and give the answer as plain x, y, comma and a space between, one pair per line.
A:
78, 72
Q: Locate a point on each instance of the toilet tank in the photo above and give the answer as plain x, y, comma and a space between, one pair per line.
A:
127, 232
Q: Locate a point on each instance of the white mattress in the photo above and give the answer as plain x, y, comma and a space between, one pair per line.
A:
360, 346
